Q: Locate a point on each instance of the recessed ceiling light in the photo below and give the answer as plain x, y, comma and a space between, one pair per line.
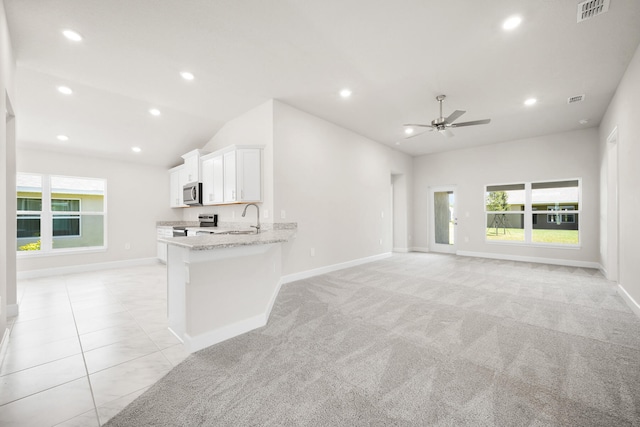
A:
72, 35
187, 75
62, 138
511, 22
136, 149
345, 93
154, 112
65, 90
583, 121
397, 142
408, 131
530, 101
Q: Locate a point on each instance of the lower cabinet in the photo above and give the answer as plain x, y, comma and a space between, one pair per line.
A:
162, 247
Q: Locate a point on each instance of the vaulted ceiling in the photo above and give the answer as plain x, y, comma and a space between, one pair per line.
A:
395, 57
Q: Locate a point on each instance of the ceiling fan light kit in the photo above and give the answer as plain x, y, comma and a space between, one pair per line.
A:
443, 125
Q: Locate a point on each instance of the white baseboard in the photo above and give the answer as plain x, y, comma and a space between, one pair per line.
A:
331, 268
633, 305
57, 271
553, 261
401, 250
419, 249
198, 342
12, 310
603, 271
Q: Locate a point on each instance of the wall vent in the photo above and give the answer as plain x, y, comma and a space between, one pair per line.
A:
591, 8
574, 99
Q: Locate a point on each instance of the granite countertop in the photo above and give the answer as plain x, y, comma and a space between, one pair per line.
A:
280, 233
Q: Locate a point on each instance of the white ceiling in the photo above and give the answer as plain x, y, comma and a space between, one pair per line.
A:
395, 56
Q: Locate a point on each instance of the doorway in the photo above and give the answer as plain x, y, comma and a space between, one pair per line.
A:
442, 201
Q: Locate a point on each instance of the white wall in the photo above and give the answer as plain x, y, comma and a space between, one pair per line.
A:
624, 113
137, 197
336, 185
255, 127
558, 156
7, 178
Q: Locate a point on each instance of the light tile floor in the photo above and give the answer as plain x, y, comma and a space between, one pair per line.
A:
85, 345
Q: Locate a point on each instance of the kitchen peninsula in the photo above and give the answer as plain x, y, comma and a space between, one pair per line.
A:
222, 285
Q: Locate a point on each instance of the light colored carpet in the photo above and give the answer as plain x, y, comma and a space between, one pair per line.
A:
418, 339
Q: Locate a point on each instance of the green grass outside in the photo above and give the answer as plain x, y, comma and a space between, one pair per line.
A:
564, 237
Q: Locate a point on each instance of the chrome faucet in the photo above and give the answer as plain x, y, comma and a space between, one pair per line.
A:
244, 212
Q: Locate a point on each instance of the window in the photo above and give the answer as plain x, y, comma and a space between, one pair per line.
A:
538, 212
505, 216
60, 214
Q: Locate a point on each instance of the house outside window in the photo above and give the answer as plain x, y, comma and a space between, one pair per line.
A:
59, 214
545, 213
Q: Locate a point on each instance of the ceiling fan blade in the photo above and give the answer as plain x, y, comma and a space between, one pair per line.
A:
473, 123
446, 132
454, 116
417, 134
417, 125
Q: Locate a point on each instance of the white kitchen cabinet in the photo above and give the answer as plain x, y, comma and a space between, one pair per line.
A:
177, 177
185, 173
249, 173
230, 181
212, 179
192, 166
242, 175
162, 247
230, 175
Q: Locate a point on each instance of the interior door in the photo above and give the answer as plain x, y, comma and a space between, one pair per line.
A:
442, 201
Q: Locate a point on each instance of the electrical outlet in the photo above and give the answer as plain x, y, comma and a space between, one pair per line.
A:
127, 246
265, 215
466, 239
283, 214
382, 214
380, 241
312, 252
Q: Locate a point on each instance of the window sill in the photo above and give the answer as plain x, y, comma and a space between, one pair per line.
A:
58, 252
534, 245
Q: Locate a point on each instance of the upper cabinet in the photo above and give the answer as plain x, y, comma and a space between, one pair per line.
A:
212, 179
177, 179
243, 175
192, 165
184, 174
230, 175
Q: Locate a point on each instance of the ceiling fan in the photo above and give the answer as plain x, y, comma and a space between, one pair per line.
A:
442, 124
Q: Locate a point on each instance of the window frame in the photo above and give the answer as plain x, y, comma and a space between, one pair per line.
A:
77, 215
47, 214
529, 212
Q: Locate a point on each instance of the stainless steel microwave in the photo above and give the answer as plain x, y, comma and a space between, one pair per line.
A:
192, 193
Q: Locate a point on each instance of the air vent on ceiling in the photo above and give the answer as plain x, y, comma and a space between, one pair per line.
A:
573, 99
591, 8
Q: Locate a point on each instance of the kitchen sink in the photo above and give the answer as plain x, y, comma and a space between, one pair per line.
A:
239, 232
